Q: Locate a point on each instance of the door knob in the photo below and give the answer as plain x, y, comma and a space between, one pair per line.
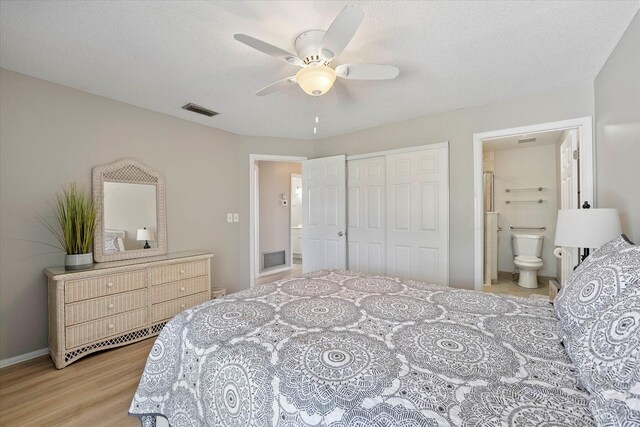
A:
340, 234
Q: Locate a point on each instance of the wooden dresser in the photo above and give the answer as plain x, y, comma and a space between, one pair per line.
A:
116, 303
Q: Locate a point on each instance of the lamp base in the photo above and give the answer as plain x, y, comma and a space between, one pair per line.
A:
146, 244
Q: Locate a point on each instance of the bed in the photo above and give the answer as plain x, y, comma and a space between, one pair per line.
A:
336, 348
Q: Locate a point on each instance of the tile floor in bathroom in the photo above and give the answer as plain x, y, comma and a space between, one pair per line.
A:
506, 285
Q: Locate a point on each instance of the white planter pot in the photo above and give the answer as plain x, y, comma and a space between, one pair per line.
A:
78, 261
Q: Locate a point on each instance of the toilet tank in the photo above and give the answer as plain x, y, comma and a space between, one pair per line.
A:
527, 244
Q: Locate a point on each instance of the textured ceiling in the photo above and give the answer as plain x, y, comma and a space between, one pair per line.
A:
161, 55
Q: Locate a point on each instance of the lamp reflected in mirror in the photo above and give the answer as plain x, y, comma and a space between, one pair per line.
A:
146, 236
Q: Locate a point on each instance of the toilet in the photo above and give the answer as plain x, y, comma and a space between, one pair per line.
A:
527, 249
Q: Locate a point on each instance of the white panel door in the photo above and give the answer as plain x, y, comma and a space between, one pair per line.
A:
366, 215
568, 196
323, 213
418, 215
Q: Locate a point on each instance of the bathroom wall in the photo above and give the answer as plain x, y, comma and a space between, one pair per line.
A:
296, 202
275, 219
526, 167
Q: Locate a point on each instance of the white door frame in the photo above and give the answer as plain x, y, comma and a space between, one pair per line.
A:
293, 190
254, 248
587, 173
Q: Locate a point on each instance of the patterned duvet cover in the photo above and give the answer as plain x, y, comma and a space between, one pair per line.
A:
334, 348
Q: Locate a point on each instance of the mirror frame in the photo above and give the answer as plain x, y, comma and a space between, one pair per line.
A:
128, 171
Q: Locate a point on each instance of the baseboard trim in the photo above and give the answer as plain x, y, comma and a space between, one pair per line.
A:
23, 357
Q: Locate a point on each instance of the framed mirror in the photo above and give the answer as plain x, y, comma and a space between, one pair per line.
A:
131, 218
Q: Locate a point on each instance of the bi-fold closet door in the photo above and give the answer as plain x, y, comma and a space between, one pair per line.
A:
366, 213
398, 215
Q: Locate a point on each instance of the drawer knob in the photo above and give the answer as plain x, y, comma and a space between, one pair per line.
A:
110, 285
182, 289
110, 306
110, 326
182, 306
182, 271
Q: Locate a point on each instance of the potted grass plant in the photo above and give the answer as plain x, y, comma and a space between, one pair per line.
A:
75, 226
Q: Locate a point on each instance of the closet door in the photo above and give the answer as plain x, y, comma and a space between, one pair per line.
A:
366, 215
324, 214
418, 215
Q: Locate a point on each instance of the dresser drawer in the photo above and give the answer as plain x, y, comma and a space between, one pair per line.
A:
85, 311
167, 310
85, 333
78, 290
179, 289
173, 272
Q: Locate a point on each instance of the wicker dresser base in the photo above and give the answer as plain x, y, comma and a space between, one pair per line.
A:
119, 303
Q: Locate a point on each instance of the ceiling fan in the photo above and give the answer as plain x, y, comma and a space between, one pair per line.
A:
315, 50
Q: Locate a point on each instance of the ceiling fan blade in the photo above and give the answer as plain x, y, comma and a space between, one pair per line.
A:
269, 49
341, 31
277, 86
367, 71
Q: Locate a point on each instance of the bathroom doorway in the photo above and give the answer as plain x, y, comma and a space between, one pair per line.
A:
523, 176
275, 205
296, 222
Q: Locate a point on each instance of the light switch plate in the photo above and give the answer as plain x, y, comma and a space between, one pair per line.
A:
236, 217
229, 217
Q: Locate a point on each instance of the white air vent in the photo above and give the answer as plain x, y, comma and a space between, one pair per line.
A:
273, 259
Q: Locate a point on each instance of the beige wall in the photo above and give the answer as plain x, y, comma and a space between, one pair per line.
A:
51, 135
526, 167
275, 219
458, 128
617, 104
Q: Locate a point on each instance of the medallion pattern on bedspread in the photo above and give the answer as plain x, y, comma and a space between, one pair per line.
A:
341, 349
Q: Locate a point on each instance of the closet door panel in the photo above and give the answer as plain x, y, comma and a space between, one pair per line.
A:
366, 216
417, 217
324, 213
375, 258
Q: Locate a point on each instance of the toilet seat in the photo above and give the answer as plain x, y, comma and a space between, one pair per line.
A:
528, 261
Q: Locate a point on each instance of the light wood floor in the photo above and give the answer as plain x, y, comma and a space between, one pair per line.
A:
296, 270
94, 391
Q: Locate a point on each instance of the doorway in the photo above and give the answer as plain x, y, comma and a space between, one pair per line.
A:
523, 176
397, 216
271, 216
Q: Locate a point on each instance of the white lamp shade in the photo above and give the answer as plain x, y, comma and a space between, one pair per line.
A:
144, 234
316, 80
586, 228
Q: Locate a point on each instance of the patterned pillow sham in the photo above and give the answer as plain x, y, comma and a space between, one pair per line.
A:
595, 283
611, 247
606, 352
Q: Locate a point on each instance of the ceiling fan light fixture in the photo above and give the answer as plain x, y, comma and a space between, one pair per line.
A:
316, 80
